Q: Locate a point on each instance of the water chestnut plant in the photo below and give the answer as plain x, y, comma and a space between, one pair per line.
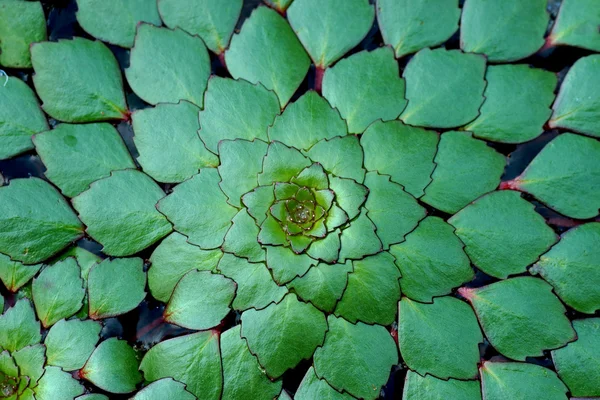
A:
334, 199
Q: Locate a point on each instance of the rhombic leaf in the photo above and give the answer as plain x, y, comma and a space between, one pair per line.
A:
431, 260
115, 287
521, 317
77, 155
565, 175
267, 51
330, 29
18, 327
20, 117
576, 107
87, 65
503, 30
15, 274
120, 212
58, 291
70, 343
200, 300
502, 233
113, 367
21, 24
191, 359
283, 334
36, 221
572, 267
212, 20
172, 259
31, 360
243, 376
452, 104
114, 21
341, 156
379, 96
577, 24
578, 363
312, 387
510, 380
417, 387
517, 103
465, 168
57, 384
165, 388
440, 339
412, 25
166, 137
168, 66
356, 358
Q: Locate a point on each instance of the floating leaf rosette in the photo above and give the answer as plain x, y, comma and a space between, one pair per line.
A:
339, 225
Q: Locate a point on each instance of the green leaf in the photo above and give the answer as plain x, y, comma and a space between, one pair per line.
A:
577, 104
212, 20
236, 109
172, 259
116, 286
431, 260
359, 239
77, 155
243, 377
328, 30
465, 168
113, 367
20, 116
350, 195
18, 327
168, 66
452, 104
191, 359
342, 360
415, 24
578, 363
517, 103
417, 387
306, 122
36, 221
165, 388
255, 286
58, 292
241, 239
200, 300
281, 164
15, 274
31, 360
166, 137
85, 259
312, 387
198, 209
404, 152
572, 267
114, 21
283, 334
503, 30
285, 265
577, 25
21, 24
241, 161
70, 343
87, 71
380, 94
56, 384
393, 211
567, 184
341, 156
127, 223
258, 202
441, 339
502, 233
373, 291
264, 48
322, 285
521, 317
510, 380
